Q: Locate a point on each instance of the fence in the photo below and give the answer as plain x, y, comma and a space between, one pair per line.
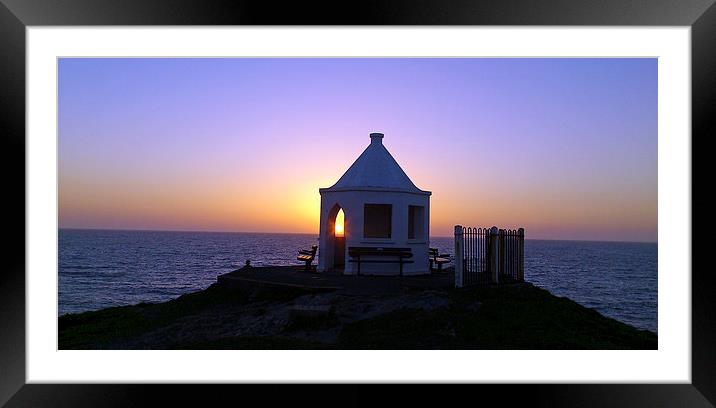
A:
488, 255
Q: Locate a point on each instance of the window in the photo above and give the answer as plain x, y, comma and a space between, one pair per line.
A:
416, 224
377, 219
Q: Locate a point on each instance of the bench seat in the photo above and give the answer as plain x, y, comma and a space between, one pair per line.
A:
438, 259
307, 256
402, 255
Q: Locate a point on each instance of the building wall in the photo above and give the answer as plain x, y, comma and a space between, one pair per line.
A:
352, 203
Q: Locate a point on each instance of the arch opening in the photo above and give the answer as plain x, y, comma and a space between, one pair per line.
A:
339, 240
336, 243
339, 229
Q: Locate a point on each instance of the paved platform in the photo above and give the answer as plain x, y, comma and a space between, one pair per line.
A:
295, 276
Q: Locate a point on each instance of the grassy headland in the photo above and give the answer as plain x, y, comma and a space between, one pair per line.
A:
519, 316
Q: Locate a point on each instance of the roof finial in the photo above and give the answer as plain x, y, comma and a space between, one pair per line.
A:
376, 138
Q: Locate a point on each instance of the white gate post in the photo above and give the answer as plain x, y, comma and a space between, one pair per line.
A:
459, 245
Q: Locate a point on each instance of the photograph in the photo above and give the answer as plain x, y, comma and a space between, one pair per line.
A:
351, 203
224, 198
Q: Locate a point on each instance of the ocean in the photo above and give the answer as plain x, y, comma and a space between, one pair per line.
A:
104, 268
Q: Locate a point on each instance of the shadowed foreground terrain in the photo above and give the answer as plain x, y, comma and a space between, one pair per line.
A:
519, 316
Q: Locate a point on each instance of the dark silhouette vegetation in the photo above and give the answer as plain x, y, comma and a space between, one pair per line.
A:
514, 316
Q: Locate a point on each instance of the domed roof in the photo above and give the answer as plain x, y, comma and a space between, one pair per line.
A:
375, 169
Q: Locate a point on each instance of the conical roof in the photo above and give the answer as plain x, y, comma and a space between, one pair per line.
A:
375, 169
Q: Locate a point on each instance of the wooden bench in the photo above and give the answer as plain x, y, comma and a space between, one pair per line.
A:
307, 256
398, 255
437, 259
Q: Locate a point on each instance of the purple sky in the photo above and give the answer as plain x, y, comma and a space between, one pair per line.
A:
566, 148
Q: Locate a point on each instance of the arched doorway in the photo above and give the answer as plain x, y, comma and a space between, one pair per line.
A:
336, 243
339, 239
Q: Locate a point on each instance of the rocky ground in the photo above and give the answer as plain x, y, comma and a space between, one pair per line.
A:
518, 316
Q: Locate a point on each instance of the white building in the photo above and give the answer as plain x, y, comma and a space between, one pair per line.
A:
382, 209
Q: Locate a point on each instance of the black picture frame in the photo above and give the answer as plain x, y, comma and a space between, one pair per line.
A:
16, 15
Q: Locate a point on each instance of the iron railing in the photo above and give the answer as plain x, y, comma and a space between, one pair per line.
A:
488, 255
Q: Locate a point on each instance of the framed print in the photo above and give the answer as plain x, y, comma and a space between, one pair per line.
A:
496, 194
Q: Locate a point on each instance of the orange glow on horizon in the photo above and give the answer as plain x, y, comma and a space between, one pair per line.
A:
276, 205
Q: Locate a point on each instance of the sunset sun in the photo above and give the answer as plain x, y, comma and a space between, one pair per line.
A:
340, 221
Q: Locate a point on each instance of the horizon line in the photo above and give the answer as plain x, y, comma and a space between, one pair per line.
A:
311, 233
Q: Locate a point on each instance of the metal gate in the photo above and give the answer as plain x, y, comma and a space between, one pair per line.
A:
488, 255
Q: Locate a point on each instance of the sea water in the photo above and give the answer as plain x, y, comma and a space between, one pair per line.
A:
104, 268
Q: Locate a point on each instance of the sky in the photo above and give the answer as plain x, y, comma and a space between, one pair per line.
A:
565, 148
